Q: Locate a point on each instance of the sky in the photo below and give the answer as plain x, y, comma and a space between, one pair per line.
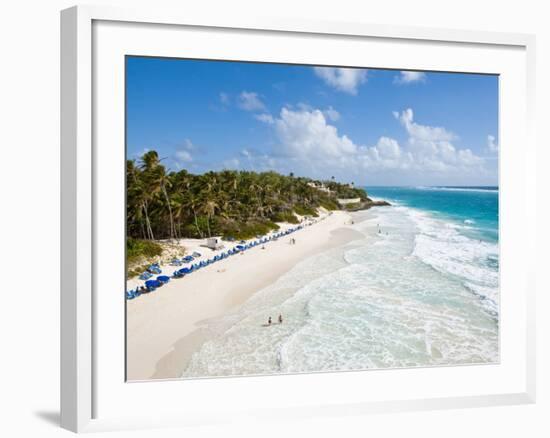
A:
368, 126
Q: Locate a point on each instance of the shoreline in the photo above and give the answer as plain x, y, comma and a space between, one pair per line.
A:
165, 327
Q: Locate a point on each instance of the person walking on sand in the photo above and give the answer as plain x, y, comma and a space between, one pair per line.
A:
280, 319
269, 321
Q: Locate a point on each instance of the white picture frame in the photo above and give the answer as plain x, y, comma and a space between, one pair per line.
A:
86, 376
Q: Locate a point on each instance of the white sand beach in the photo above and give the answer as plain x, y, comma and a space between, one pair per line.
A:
164, 327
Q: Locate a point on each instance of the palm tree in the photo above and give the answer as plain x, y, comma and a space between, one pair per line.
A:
162, 203
158, 181
139, 196
210, 207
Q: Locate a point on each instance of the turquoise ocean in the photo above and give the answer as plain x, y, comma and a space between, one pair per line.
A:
420, 289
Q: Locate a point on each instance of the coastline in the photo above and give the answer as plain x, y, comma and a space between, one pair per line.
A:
165, 327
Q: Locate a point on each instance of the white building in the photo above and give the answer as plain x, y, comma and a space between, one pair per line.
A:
214, 243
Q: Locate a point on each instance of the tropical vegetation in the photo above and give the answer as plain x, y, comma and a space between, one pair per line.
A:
163, 204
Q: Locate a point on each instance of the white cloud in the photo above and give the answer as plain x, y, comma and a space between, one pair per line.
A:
308, 142
305, 133
250, 101
408, 77
422, 132
265, 117
492, 145
388, 148
346, 80
183, 154
331, 114
432, 149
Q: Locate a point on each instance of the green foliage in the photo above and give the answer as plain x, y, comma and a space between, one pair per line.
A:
330, 205
135, 249
285, 216
163, 204
248, 230
353, 206
304, 210
346, 191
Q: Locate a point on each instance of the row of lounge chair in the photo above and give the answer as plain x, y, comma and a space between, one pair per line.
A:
151, 285
186, 259
151, 270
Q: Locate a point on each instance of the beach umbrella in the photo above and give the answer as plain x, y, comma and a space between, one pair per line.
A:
163, 278
152, 284
184, 271
196, 254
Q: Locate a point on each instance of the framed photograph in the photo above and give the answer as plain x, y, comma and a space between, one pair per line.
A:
282, 219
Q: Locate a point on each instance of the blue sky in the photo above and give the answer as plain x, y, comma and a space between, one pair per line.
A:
370, 126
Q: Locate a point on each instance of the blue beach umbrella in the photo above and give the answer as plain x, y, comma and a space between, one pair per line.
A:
152, 284
163, 278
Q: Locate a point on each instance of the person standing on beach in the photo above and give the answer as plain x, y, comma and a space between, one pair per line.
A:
269, 321
280, 319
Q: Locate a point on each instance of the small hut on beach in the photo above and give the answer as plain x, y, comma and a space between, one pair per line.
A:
214, 243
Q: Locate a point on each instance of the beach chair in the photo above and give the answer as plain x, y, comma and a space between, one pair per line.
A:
145, 275
163, 279
154, 269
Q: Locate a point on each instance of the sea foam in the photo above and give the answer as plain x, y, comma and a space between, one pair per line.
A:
414, 292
